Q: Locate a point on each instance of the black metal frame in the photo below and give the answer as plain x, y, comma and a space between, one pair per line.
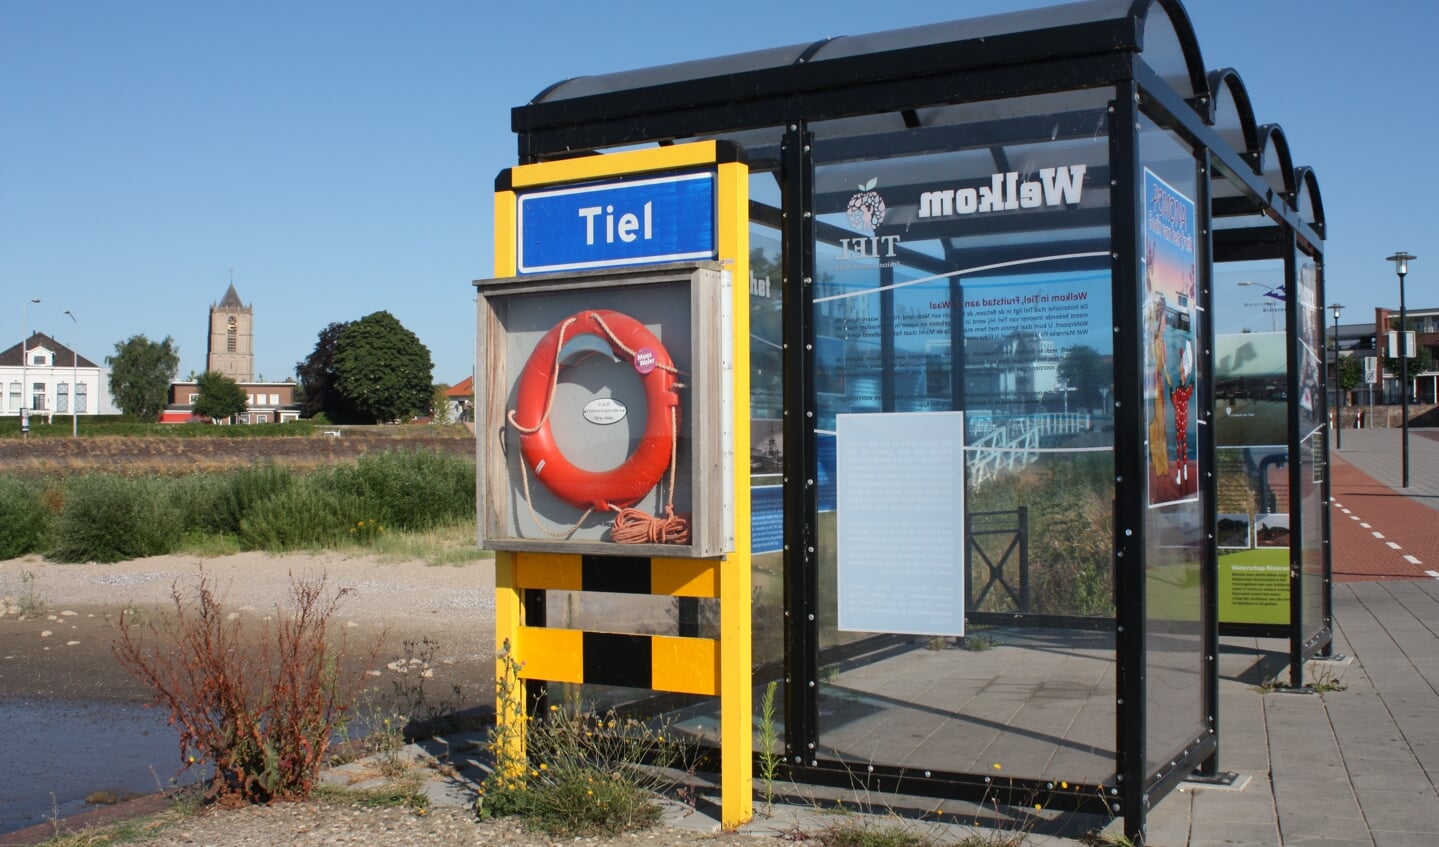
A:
783, 108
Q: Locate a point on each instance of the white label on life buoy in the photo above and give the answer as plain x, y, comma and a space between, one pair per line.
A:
604, 410
540, 468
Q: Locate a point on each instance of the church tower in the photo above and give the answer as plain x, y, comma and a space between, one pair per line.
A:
231, 338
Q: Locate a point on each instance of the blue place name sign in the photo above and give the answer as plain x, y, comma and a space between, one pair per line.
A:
639, 222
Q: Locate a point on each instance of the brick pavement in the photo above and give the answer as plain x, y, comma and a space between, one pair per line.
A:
1378, 532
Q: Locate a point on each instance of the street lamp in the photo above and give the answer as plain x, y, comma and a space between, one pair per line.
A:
1338, 407
24, 357
75, 381
1401, 267
1272, 309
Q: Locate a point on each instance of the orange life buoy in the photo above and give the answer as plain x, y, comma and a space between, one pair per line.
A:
624, 485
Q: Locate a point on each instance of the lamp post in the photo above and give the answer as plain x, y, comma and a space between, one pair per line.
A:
75, 381
25, 356
1338, 407
1401, 267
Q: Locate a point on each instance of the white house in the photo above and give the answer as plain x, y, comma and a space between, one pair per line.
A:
48, 378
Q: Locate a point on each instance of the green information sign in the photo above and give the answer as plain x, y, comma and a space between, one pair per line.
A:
1254, 586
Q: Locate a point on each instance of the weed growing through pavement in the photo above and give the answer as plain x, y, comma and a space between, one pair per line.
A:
1269, 679
1323, 679
573, 772
974, 642
888, 827
404, 794
413, 709
978, 642
885, 832
769, 755
414, 699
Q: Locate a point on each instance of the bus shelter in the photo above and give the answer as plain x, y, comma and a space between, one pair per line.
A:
1019, 450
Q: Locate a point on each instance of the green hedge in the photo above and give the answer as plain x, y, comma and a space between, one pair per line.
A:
111, 518
303, 517
24, 519
105, 518
409, 489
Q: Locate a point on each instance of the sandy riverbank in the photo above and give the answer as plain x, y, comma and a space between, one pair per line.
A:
64, 648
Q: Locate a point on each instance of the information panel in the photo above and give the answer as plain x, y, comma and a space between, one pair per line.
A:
901, 522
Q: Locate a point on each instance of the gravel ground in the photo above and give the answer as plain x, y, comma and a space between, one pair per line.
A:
316, 824
63, 651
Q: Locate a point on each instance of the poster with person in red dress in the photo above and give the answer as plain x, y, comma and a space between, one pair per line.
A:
1171, 432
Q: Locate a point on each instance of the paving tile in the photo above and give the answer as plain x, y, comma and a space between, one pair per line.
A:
1386, 838
1232, 832
1310, 825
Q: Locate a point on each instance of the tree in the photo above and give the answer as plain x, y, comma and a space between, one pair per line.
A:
1084, 370
317, 377
140, 375
220, 397
1351, 372
382, 369
440, 404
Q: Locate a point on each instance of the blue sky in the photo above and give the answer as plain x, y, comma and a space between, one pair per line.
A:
341, 155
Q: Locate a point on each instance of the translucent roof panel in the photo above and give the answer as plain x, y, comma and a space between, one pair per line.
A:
1230, 112
1275, 166
661, 74
1171, 50
1038, 105
1308, 202
1072, 29
1067, 15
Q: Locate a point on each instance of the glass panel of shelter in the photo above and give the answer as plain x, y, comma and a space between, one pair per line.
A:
1313, 450
1251, 436
967, 268
766, 433
1174, 279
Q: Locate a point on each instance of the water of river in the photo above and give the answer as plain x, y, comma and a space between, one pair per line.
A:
58, 752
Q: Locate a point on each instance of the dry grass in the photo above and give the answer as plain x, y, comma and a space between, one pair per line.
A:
170, 456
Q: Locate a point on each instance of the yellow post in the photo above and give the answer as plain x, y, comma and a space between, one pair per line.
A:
736, 677
509, 686
509, 606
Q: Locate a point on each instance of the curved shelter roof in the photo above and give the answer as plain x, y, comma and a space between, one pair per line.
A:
930, 76
1073, 30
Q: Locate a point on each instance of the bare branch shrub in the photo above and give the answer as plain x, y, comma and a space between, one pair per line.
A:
260, 700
